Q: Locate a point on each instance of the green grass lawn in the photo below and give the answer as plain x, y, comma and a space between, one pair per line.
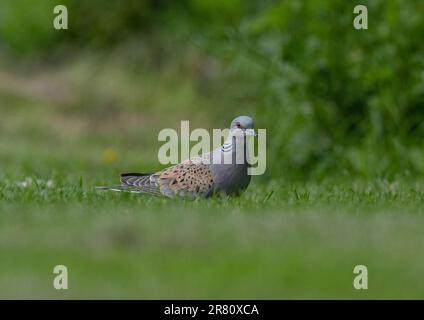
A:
298, 242
67, 129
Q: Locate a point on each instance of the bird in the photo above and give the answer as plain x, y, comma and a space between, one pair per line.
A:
215, 172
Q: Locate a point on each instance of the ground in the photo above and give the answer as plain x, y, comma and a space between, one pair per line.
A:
292, 244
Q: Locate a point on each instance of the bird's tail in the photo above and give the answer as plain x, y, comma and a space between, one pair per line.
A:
135, 183
119, 188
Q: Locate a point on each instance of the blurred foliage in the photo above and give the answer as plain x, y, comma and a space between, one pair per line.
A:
27, 26
24, 25
108, 22
333, 99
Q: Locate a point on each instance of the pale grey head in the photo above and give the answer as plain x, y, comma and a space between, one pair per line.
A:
242, 122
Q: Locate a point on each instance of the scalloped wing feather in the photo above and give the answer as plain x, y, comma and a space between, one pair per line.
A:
188, 179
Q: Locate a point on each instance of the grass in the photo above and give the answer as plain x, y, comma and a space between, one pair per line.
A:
67, 128
302, 242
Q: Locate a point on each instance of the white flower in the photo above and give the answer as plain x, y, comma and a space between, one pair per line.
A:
49, 183
26, 183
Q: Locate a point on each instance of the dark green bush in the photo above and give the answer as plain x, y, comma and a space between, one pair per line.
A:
332, 97
26, 26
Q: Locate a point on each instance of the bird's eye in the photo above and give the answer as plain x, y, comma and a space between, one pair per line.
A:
238, 125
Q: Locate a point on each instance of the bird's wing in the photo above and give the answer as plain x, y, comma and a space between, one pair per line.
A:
187, 179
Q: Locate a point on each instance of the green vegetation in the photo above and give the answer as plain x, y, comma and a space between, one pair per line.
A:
343, 112
298, 241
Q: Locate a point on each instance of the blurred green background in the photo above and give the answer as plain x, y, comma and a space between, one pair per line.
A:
343, 109
334, 99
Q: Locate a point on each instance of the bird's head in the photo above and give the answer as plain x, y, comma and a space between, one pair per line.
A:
243, 123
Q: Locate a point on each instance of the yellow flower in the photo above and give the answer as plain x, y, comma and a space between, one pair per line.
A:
109, 156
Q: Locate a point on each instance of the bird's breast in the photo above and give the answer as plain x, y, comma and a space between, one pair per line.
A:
230, 178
